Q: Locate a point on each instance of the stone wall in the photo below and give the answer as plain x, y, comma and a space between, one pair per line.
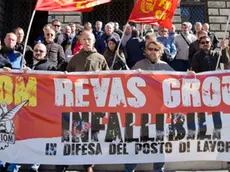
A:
65, 17
2, 16
218, 12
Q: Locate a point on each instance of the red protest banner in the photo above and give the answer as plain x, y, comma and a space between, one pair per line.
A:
155, 12
68, 5
93, 117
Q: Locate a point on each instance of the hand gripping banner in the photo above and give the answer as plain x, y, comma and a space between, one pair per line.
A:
109, 118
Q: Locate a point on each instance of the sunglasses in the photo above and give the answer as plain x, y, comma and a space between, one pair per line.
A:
155, 49
37, 50
50, 34
57, 25
205, 42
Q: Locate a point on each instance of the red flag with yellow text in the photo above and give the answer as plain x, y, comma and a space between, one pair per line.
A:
68, 5
154, 12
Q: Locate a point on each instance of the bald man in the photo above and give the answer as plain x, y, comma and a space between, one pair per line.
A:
8, 56
40, 62
88, 59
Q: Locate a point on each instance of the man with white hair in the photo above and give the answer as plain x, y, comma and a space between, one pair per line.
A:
101, 44
40, 62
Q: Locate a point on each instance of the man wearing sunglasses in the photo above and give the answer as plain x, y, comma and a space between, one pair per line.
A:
40, 61
153, 52
55, 52
56, 26
206, 59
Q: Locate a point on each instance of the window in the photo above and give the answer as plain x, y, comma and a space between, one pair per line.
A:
193, 11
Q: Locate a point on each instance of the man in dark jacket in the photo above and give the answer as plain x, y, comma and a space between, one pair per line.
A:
98, 32
195, 46
134, 49
19, 32
55, 52
8, 56
206, 59
40, 61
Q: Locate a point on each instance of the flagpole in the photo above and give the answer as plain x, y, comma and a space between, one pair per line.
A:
225, 34
118, 47
142, 30
28, 33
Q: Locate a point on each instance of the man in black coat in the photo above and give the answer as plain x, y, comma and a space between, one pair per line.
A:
206, 59
19, 32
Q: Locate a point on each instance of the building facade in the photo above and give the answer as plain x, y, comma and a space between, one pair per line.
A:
205, 11
14, 13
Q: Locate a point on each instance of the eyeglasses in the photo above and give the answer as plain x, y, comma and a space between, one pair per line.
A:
50, 34
37, 50
57, 25
155, 49
205, 42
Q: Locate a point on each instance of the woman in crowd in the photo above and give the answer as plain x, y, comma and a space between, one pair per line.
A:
115, 59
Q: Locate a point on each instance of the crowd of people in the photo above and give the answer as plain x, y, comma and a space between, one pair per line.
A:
77, 48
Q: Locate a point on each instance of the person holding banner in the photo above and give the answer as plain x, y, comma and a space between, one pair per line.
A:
88, 59
154, 50
40, 62
206, 59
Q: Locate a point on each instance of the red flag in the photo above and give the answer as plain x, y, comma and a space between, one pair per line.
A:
154, 12
68, 5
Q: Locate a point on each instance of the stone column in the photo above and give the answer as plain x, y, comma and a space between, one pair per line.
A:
218, 12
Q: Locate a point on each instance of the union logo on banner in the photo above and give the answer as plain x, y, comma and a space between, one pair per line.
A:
147, 6
68, 5
64, 2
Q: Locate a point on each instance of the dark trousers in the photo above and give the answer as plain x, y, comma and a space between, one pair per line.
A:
63, 168
179, 65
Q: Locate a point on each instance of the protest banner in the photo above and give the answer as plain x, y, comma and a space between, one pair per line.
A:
114, 117
154, 12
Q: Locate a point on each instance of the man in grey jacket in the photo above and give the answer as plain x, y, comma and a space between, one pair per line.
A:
154, 50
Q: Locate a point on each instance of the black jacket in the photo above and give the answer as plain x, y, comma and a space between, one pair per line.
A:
214, 39
193, 49
202, 62
42, 65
